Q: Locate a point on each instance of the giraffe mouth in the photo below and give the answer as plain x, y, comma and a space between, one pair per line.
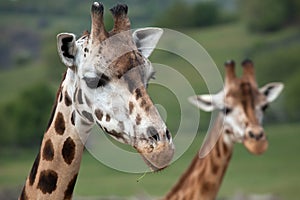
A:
157, 157
256, 147
152, 166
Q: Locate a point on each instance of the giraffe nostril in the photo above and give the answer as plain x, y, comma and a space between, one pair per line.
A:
251, 134
256, 136
152, 133
168, 135
260, 135
155, 137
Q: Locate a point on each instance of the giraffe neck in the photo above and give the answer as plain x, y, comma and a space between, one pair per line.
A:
55, 169
203, 178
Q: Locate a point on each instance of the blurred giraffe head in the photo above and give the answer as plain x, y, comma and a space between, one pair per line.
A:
242, 105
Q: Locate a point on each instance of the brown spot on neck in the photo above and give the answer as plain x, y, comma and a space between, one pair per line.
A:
68, 150
68, 100
48, 151
47, 181
59, 124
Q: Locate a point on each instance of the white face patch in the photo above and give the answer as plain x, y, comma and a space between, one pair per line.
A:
234, 122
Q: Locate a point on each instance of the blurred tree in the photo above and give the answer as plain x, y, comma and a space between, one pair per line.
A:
269, 15
205, 13
294, 11
182, 14
178, 15
23, 121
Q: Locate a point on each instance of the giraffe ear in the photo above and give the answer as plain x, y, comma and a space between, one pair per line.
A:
272, 90
146, 39
207, 102
66, 48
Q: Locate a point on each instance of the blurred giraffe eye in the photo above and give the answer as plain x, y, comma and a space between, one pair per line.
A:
226, 110
264, 107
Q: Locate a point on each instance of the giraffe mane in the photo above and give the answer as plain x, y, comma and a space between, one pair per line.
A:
56, 100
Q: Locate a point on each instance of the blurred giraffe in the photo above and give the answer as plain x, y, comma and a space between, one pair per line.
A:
242, 105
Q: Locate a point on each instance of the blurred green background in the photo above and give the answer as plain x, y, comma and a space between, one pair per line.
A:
30, 70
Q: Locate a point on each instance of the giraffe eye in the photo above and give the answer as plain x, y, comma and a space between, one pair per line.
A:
226, 110
96, 82
91, 82
264, 107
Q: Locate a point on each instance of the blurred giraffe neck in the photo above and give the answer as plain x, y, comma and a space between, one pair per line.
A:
204, 176
55, 169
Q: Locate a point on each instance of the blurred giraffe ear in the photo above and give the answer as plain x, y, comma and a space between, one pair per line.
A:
66, 48
207, 102
272, 90
146, 39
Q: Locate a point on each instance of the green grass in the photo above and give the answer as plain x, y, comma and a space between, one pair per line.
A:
276, 172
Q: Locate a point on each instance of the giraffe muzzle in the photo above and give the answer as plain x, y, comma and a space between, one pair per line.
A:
158, 150
255, 140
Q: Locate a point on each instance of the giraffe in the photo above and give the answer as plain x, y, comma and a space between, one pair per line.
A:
104, 84
241, 104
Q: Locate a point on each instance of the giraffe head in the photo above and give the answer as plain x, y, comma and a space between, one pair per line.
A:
110, 72
242, 104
